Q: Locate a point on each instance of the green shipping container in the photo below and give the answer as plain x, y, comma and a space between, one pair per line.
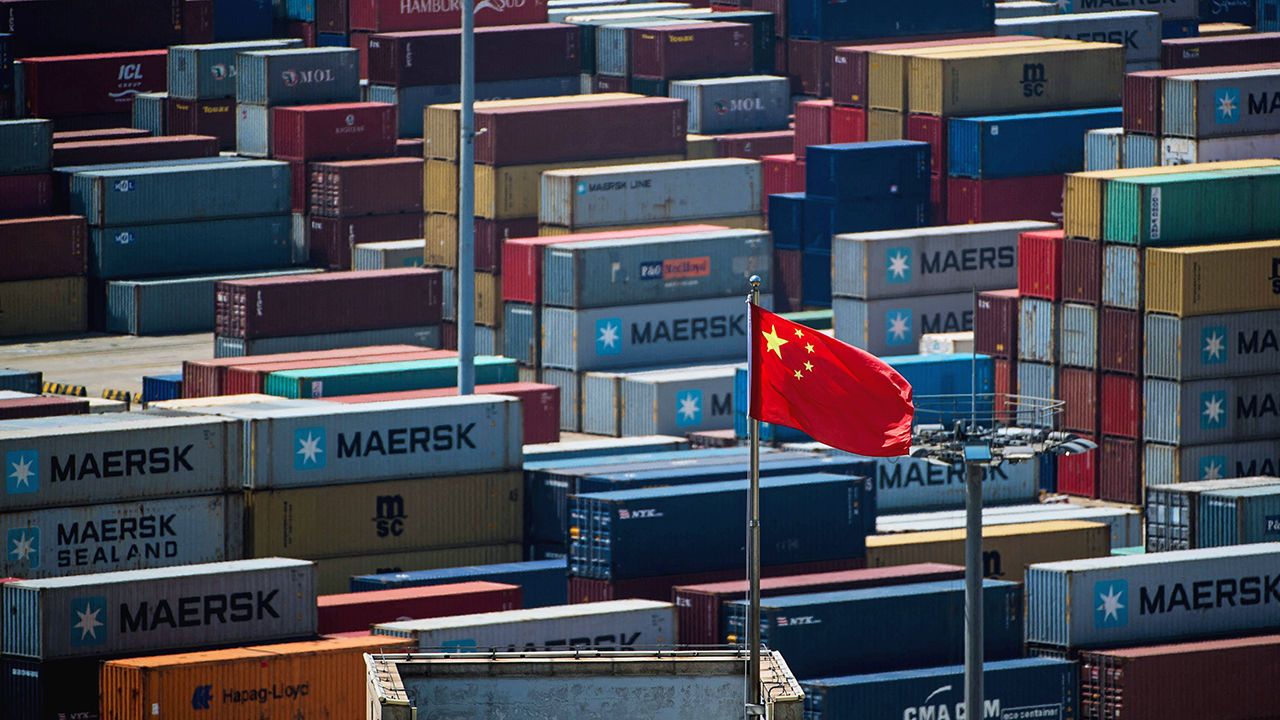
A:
1193, 208
385, 377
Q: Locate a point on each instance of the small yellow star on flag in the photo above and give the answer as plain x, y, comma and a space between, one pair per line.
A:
774, 342
808, 366
808, 347
799, 333
798, 375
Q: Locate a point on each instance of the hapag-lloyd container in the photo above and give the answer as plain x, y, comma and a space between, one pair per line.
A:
1239, 516
1201, 412
43, 247
123, 536
431, 57
515, 135
203, 72
1002, 146
137, 611
893, 326
342, 130
181, 193
1213, 279
1226, 345
1193, 207
1138, 31
693, 50
1079, 328
113, 458
1173, 511
298, 76
381, 186
1220, 104
68, 85
395, 376
168, 305
392, 15
1140, 599
1170, 463
357, 612
734, 104
541, 582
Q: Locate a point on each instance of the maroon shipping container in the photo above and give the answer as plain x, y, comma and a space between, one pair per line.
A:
1144, 94
1119, 470
304, 31
813, 126
779, 10
1039, 264
351, 188
1004, 199
43, 247
327, 303
1004, 373
398, 15
299, 186
782, 174
609, 84
91, 84
332, 16
1120, 347
1220, 50
491, 234
933, 130
120, 133
754, 145
1121, 405
331, 239
351, 612
1078, 388
848, 124
1081, 280
100, 152
995, 328
216, 118
788, 279
631, 127
91, 122
811, 61
584, 590
41, 406
1078, 474
540, 404
449, 335
197, 23
206, 378
850, 63
515, 52
409, 147
333, 132
250, 377
53, 27
698, 606
26, 195
696, 50
938, 199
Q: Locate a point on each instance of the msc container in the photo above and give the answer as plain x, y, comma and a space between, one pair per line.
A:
181, 192
914, 17
163, 609
202, 72
996, 328
693, 50
299, 76
42, 247
168, 306
385, 377
1003, 146
1136, 599
1181, 151
516, 135
834, 633
1225, 345
1138, 31
387, 255
1237, 517
107, 537
1038, 330
541, 582
391, 16
1104, 149
333, 131
1209, 280
676, 402
357, 612
209, 246
89, 84
1202, 207
420, 335
30, 146
1220, 104
894, 325
1170, 463
734, 104
1173, 510
431, 57
1079, 325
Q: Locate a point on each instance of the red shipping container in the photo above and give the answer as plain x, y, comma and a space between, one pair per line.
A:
1198, 52
120, 133
41, 406
331, 239
540, 404
782, 174
332, 16
249, 377
396, 15
432, 57
609, 84
352, 612
52, 27
848, 124
698, 606
1121, 406
631, 127
754, 145
1039, 264
101, 152
813, 126
1119, 473
1081, 280
584, 590
1005, 378
1078, 389
849, 63
788, 279
304, 31
781, 50
449, 335
333, 132
1120, 346
707, 49
811, 61
995, 327
327, 303
491, 234
26, 195
299, 186
1078, 474
98, 84
351, 188
1144, 94
409, 147
1024, 198
938, 199
44, 247
932, 130
206, 378
779, 10
204, 117
197, 23
359, 41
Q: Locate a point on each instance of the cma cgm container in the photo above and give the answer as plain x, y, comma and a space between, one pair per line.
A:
879, 629
179, 192
892, 326
1138, 31
1211, 346
357, 612
1035, 687
1221, 104
734, 104
612, 625
204, 72
516, 135
1173, 511
1236, 517
1208, 280
541, 582
1137, 599
1211, 411
301, 76
1004, 146
166, 609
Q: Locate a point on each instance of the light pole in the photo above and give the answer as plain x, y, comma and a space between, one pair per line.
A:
466, 205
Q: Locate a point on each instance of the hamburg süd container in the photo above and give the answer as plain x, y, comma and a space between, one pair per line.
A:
541, 582
358, 611
1211, 346
195, 248
1213, 279
393, 16
894, 325
1173, 510
329, 131
1043, 143
517, 135
299, 76
168, 305
1239, 516
1137, 30
90, 84
205, 72
431, 57
1221, 104
734, 104
1201, 208
175, 193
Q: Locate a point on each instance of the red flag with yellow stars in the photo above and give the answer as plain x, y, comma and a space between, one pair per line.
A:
841, 396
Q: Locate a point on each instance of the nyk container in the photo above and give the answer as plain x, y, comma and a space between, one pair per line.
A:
358, 612
734, 104
1139, 32
1007, 549
1002, 146
542, 582
1227, 345
517, 135
343, 130
1214, 279
201, 247
1201, 207
894, 325
1161, 597
204, 72
1173, 511
392, 16
1170, 463
177, 192
102, 84
297, 76
431, 57
43, 247
385, 377
147, 610
834, 633
914, 17
1240, 516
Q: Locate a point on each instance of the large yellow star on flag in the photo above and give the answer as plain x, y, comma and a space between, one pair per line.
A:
774, 342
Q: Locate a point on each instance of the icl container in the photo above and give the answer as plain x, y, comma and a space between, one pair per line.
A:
734, 104
1213, 279
541, 582
1000, 146
1138, 31
1173, 510
894, 325
204, 72
1221, 104
298, 76
1174, 464
1237, 517
1226, 345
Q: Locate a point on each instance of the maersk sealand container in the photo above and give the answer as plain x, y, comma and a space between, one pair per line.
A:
817, 20
182, 193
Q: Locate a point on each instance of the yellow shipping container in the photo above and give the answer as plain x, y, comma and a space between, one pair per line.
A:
440, 187
504, 193
440, 232
53, 306
698, 147
1211, 279
1007, 550
488, 299
391, 516
886, 125
440, 122
315, 679
333, 575
748, 222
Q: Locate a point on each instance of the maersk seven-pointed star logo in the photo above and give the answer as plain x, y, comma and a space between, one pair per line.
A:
23, 546
689, 408
1212, 467
1213, 345
608, 336
898, 265
21, 472
897, 327
1112, 598
1226, 105
88, 621
1213, 410
309, 448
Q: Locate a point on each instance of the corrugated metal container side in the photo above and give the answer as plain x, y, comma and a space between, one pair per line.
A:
1181, 151
149, 111
1079, 390
734, 104
24, 406
334, 573
1122, 276
589, 590
1121, 406
298, 76
915, 17
1040, 270
385, 377
547, 50
333, 242
510, 192
262, 600
251, 375
422, 336
1226, 50
996, 324
1036, 380
1173, 511
43, 247
542, 582
204, 378
64, 86
1209, 280
562, 131
1236, 517
1211, 411
1200, 208
1104, 149
677, 402
366, 187
168, 306
1119, 468
1172, 10
813, 125
357, 612
1169, 463
896, 168
1079, 335
1141, 151
570, 396
174, 147
1078, 474
440, 131
753, 145
1037, 197
44, 307
893, 326
1081, 271
31, 142
1120, 339
521, 334
698, 49
1016, 536
415, 99
1221, 104
201, 72
181, 192
1038, 324
1003, 146
340, 130
1139, 32
50, 689
1211, 346
200, 247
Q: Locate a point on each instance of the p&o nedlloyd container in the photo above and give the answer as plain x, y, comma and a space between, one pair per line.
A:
1212, 346
1211, 411
1221, 104
139, 611
1173, 511
1141, 599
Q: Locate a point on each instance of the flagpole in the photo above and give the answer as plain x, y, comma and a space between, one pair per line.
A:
754, 706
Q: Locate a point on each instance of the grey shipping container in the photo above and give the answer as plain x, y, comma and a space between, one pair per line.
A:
603, 404
85, 459
1138, 31
1141, 151
1173, 464
613, 54
612, 625
122, 536
1122, 276
28, 146
631, 336
169, 305
413, 99
1236, 517
179, 192
1079, 335
150, 111
1144, 599
245, 602
1221, 104
520, 332
678, 402
449, 294
735, 104
1025, 8
650, 192
1038, 330
1169, 9
904, 484
1181, 151
893, 326
668, 268
1036, 380
1211, 411
1104, 149
426, 336
302, 76
387, 254
202, 72
1173, 510
253, 130
203, 246
928, 261
488, 340
1212, 345
570, 386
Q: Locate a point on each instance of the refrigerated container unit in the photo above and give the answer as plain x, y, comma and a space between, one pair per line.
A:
1181, 151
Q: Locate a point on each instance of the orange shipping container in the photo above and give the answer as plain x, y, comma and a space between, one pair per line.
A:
322, 679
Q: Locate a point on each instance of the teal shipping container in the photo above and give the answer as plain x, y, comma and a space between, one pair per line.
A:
1197, 208
1239, 516
385, 377
175, 193
189, 248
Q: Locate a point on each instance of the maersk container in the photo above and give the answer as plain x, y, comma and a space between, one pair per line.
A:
650, 192
860, 21
203, 246
894, 325
677, 402
145, 611
1173, 510
734, 104
1138, 31
603, 405
1079, 324
1211, 411
1237, 517
1181, 151
122, 536
1169, 9
1174, 464
1038, 322
385, 377
1207, 346
1143, 599
1032, 688
909, 484
1221, 104
542, 582
1141, 151
1045, 143
1122, 276
605, 273
168, 306
83, 459
694, 528
1201, 208
422, 336
881, 629
301, 76
178, 193
867, 170
202, 72
1104, 149
28, 146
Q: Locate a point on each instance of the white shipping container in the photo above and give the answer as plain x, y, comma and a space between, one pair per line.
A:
1125, 525
955, 343
1182, 151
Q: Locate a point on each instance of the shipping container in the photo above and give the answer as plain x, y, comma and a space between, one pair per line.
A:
204, 378
613, 625
702, 49
1078, 390
334, 573
1170, 463
50, 690
734, 104
1004, 199
867, 170
506, 193
43, 247
517, 135
753, 145
1079, 326
175, 147
1181, 151
824, 218
578, 449
996, 328
333, 131
542, 582
1223, 50
858, 21
1005, 146
206, 72
420, 335
1039, 330
181, 192
14, 405
1173, 510
414, 99
1141, 150
168, 306
390, 16
1119, 463
26, 195
431, 57
1208, 280
391, 376
91, 84
1236, 517
1104, 148
892, 326
440, 131
366, 187
1040, 269
1138, 31
851, 67
200, 247
540, 403
31, 143
43, 307
1081, 271
1210, 411
1124, 524
354, 612
332, 241
1202, 207
298, 76
676, 402
588, 590
387, 255
204, 117
27, 381
1226, 345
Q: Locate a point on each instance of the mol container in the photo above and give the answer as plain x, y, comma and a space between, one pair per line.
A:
1221, 104
541, 582
1211, 346
301, 76
1236, 517
735, 104
1220, 410
357, 612
1173, 511
176, 193
1213, 279
206, 72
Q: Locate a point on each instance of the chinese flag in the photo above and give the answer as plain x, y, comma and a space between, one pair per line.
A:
839, 395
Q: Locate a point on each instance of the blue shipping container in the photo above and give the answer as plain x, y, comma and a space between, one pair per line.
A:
190, 248
161, 387
1005, 146
881, 629
301, 10
1237, 517
1244, 12
825, 218
243, 20
574, 450
1040, 688
868, 170
27, 381
332, 40
861, 20
786, 220
815, 278
1172, 29
542, 583
1268, 16
182, 192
